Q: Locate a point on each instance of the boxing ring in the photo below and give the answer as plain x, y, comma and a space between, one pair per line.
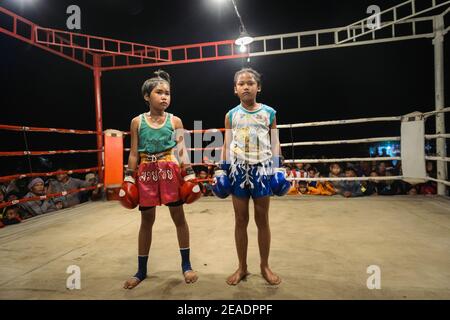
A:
321, 246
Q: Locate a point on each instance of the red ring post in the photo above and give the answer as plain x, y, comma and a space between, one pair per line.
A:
98, 114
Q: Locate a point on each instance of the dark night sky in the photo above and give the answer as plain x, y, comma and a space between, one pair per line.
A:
40, 89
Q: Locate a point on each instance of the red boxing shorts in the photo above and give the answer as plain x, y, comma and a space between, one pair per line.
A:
159, 180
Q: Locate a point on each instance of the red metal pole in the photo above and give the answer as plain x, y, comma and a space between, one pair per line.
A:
98, 114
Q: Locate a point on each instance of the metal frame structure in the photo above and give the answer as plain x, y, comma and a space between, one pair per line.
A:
101, 54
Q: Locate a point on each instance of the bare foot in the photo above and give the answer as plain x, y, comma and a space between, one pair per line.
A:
270, 277
190, 276
131, 283
236, 277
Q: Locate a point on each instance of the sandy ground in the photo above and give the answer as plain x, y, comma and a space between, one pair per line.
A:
321, 247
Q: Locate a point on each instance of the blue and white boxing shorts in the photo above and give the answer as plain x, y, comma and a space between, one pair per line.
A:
250, 180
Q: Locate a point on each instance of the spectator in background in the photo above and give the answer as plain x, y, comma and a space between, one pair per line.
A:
411, 190
389, 187
397, 167
7, 198
15, 196
429, 187
298, 171
18, 186
373, 166
11, 216
3, 188
2, 200
322, 167
336, 172
351, 188
431, 170
307, 166
291, 173
312, 173
370, 188
381, 170
95, 194
323, 188
64, 182
11, 196
38, 207
364, 169
302, 187
299, 167
384, 153
205, 186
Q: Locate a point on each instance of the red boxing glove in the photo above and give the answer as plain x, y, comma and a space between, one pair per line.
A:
190, 191
129, 194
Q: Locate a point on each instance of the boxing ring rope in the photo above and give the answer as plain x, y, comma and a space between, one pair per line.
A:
347, 178
289, 161
447, 183
96, 54
435, 112
40, 153
342, 160
438, 136
350, 141
424, 116
38, 129
337, 122
50, 152
338, 142
49, 196
47, 174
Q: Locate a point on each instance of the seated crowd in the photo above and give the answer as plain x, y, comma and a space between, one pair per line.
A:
352, 188
36, 187
357, 188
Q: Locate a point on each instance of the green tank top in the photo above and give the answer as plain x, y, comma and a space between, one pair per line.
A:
153, 140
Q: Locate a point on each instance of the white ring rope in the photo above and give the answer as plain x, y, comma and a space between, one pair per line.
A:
313, 143
432, 113
447, 183
341, 160
436, 136
337, 122
348, 178
438, 158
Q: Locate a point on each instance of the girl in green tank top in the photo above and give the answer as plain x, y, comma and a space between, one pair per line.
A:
155, 139
151, 133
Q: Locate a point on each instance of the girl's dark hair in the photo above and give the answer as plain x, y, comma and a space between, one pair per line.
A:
159, 76
255, 74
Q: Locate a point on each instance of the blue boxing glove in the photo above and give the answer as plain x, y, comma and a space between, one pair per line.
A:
224, 165
278, 183
221, 186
